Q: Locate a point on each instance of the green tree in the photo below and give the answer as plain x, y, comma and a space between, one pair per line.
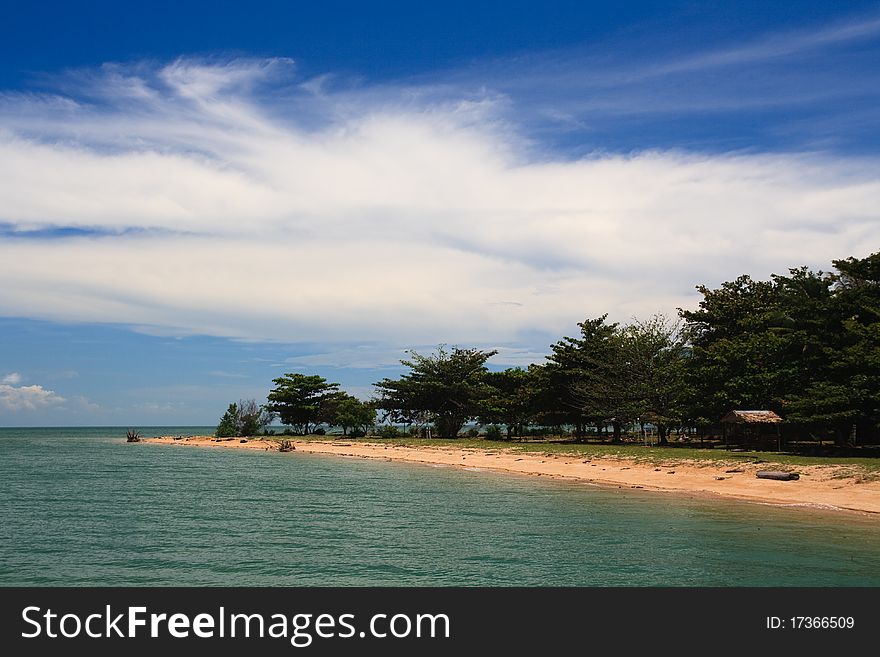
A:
228, 426
448, 385
512, 399
802, 344
650, 370
739, 353
857, 293
246, 418
348, 412
580, 378
300, 400
813, 393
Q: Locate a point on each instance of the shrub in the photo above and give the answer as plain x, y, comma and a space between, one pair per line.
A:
493, 432
357, 433
473, 432
228, 423
246, 418
320, 431
388, 431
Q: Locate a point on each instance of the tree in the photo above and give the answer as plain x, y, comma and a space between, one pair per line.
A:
581, 385
348, 412
300, 400
449, 385
857, 294
512, 399
739, 349
806, 345
246, 418
228, 426
651, 364
814, 391
253, 418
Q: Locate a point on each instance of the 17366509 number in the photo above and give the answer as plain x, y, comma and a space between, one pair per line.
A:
811, 623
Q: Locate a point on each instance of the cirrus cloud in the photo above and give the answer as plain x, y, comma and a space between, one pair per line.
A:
208, 198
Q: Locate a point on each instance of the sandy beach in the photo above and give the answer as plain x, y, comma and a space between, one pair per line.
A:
819, 486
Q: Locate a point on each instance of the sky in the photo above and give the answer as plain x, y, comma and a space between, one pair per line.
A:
198, 197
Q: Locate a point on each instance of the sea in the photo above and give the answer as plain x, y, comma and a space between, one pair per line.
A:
81, 507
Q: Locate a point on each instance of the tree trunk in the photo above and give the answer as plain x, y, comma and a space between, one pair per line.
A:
449, 426
616, 425
662, 432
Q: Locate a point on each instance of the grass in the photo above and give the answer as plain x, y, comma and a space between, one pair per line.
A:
866, 467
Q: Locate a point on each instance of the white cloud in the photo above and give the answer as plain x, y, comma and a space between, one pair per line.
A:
777, 45
228, 375
363, 356
12, 378
388, 221
159, 407
81, 403
27, 398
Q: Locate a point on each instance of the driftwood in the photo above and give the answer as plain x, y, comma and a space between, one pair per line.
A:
286, 446
777, 474
133, 436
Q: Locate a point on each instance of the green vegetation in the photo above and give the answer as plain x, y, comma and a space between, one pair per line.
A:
302, 401
305, 402
389, 431
448, 388
805, 345
350, 413
511, 401
246, 418
228, 423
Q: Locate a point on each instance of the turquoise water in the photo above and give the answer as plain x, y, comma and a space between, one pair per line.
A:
82, 507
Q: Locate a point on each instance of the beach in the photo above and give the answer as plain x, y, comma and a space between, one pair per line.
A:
829, 487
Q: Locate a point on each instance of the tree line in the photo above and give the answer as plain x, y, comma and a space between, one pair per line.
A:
805, 345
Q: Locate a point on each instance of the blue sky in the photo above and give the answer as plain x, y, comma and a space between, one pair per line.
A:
197, 197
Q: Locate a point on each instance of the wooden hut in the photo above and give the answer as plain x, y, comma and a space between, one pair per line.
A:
751, 427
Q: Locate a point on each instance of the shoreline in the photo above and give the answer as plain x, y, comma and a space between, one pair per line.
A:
820, 487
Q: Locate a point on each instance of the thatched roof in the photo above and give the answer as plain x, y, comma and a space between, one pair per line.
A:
751, 417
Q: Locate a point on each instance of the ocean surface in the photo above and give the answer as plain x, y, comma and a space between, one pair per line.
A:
82, 507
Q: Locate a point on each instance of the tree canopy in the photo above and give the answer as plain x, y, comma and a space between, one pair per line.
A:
512, 399
805, 344
344, 410
448, 385
246, 418
300, 400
